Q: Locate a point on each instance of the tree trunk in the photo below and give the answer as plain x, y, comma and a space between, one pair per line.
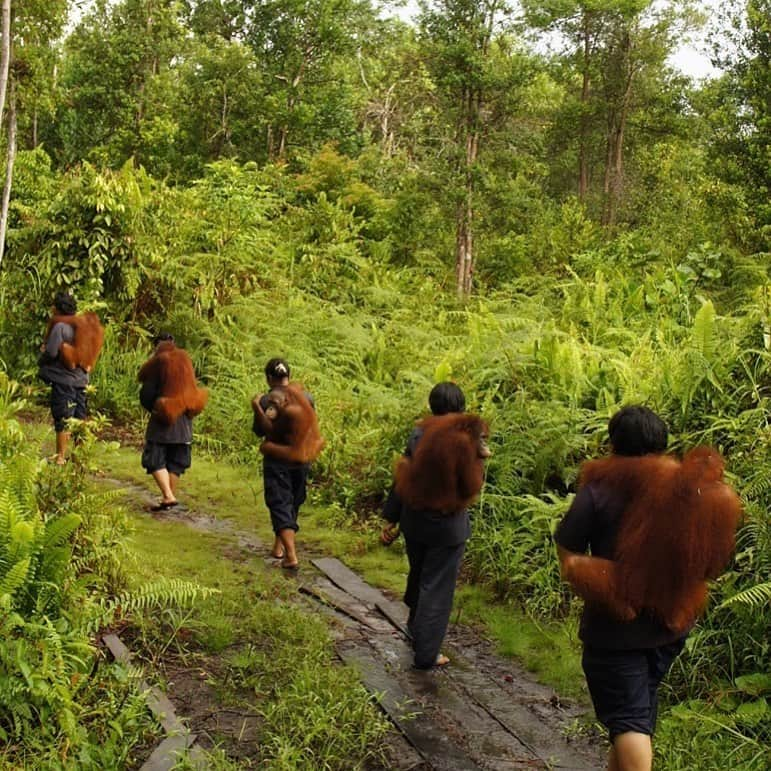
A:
464, 237
583, 151
8, 168
5, 53
617, 120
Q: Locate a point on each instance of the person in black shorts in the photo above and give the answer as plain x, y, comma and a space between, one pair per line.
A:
624, 661
285, 483
435, 543
167, 452
68, 386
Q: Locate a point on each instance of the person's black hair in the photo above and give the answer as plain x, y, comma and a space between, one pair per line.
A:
446, 397
637, 430
65, 303
163, 337
277, 369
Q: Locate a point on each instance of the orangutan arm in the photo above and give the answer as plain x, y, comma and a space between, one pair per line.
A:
596, 581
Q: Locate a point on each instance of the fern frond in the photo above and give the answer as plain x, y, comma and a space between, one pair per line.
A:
754, 597
60, 529
703, 333
15, 577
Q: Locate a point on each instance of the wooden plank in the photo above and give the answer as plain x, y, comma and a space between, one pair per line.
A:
178, 736
163, 709
327, 592
349, 582
431, 742
167, 754
115, 645
396, 613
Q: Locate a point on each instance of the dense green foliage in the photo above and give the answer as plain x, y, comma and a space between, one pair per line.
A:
61, 551
261, 182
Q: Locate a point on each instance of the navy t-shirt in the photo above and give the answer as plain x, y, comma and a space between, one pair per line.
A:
592, 524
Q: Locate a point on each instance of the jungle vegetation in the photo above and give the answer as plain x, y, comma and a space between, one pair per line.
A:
561, 228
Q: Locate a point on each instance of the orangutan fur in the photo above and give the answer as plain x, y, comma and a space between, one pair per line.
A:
678, 531
87, 343
293, 428
178, 391
446, 471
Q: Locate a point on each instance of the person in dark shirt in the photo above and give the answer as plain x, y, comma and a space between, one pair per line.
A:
167, 452
284, 483
68, 386
624, 661
435, 542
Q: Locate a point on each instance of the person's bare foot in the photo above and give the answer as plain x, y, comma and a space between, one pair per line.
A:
286, 565
278, 552
441, 660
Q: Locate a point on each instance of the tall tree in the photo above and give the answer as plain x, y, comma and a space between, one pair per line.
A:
118, 82
29, 32
458, 35
301, 45
741, 113
5, 53
614, 46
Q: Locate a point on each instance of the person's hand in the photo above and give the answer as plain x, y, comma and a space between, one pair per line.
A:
389, 534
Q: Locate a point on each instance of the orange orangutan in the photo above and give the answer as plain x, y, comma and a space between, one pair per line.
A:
678, 531
178, 391
87, 343
446, 471
292, 428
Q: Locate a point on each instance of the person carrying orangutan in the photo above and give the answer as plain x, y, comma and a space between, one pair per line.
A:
437, 478
71, 347
657, 529
170, 394
285, 418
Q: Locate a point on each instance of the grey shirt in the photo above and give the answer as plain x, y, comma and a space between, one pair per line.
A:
179, 432
51, 368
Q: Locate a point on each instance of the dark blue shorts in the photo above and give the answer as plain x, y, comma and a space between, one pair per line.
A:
175, 458
624, 685
285, 492
67, 402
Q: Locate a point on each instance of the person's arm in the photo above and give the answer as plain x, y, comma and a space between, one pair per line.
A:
148, 393
261, 425
53, 342
392, 508
573, 532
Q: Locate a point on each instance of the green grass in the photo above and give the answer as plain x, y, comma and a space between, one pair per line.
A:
276, 659
234, 493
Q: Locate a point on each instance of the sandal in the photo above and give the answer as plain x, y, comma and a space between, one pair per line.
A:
164, 506
290, 566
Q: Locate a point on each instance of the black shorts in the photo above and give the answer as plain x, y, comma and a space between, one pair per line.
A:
285, 491
624, 685
67, 402
175, 458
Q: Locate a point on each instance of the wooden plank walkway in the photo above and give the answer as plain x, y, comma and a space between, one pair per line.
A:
458, 718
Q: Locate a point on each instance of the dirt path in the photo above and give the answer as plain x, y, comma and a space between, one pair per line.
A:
482, 712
